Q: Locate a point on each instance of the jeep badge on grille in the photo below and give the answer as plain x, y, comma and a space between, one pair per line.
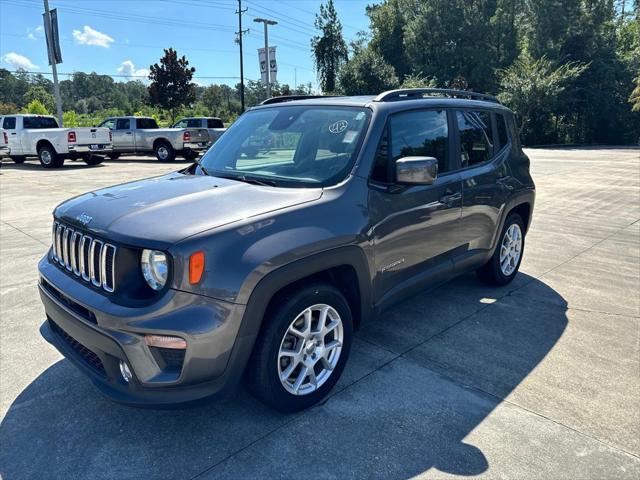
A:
84, 219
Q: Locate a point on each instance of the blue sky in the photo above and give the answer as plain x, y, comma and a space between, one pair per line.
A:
123, 37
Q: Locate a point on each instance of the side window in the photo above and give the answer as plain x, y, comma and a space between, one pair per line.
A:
476, 137
180, 124
9, 123
214, 123
109, 123
194, 123
421, 133
502, 130
123, 124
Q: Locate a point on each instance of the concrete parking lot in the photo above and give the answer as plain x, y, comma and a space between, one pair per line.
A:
539, 379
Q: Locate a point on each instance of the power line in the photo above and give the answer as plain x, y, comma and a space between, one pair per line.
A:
204, 77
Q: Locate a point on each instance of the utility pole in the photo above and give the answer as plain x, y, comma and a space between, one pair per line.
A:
240, 33
266, 49
54, 67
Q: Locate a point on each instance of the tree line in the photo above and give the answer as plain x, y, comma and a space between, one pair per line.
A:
570, 69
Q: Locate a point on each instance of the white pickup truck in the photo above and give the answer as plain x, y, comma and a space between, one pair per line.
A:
142, 135
39, 136
214, 126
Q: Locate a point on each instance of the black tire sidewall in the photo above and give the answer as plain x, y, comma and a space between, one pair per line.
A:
18, 160
266, 384
93, 160
55, 158
171, 152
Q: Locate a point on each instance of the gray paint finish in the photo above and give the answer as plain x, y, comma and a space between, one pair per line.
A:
54, 424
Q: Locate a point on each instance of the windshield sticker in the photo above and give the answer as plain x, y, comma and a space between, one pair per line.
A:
350, 136
339, 126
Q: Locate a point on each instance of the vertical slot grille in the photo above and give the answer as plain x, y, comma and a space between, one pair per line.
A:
88, 258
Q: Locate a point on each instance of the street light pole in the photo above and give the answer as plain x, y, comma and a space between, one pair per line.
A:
54, 67
240, 34
266, 49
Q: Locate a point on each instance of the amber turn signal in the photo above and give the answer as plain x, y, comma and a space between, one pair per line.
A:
196, 267
165, 341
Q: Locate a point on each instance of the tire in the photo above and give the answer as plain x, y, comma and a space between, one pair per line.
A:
164, 152
49, 158
190, 155
494, 271
114, 156
92, 159
18, 159
265, 367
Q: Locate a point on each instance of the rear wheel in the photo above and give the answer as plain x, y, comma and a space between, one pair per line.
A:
503, 266
49, 158
164, 152
18, 159
190, 155
90, 159
302, 349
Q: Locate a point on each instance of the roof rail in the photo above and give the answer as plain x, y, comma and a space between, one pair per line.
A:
290, 98
417, 93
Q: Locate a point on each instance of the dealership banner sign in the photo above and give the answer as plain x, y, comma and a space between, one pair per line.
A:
273, 65
53, 38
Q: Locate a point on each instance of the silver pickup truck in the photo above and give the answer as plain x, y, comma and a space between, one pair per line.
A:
141, 135
214, 126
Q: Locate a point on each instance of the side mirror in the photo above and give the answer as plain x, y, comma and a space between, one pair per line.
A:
416, 170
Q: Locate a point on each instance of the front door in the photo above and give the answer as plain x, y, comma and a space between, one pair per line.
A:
123, 138
414, 227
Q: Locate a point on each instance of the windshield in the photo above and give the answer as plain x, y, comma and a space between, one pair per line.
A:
296, 146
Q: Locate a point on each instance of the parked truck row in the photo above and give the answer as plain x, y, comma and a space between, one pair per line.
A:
40, 136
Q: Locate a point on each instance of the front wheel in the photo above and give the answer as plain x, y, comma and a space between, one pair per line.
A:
503, 266
49, 158
164, 152
302, 349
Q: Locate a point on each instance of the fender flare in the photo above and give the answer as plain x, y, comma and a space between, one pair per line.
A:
278, 279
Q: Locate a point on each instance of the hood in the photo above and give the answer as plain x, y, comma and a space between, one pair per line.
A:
161, 211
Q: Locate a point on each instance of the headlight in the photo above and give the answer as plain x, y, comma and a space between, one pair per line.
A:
154, 268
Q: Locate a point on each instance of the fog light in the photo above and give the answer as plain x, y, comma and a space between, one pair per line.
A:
125, 372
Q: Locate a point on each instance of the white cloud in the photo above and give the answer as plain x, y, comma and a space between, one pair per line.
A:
34, 33
128, 69
18, 61
89, 36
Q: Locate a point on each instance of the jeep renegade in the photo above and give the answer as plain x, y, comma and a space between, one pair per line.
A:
306, 219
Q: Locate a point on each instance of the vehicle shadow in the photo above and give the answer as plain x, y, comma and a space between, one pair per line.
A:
30, 165
61, 427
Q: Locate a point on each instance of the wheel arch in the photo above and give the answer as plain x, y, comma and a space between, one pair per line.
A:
160, 140
44, 142
346, 268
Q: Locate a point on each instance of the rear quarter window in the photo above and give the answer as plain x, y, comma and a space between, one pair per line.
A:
9, 123
148, 123
501, 125
214, 123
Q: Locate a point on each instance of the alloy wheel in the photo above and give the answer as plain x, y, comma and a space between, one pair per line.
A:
510, 249
310, 349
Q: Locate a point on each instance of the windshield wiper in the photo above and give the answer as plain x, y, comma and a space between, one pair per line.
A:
253, 180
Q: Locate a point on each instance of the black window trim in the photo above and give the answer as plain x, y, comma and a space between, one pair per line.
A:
387, 128
496, 152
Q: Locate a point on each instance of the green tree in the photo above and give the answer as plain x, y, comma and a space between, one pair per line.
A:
171, 86
367, 73
329, 48
70, 119
532, 85
634, 98
36, 107
417, 80
38, 92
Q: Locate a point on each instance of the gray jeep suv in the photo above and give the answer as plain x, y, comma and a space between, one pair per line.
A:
304, 221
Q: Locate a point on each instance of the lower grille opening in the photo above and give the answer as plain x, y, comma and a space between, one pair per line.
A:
90, 358
85, 313
168, 358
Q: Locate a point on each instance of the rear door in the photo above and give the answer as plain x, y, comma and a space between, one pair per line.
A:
482, 159
414, 227
123, 137
10, 125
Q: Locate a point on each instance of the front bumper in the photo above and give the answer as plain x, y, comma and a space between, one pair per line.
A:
92, 148
96, 334
195, 146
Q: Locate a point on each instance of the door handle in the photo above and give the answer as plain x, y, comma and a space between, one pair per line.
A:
451, 198
14, 133
129, 133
